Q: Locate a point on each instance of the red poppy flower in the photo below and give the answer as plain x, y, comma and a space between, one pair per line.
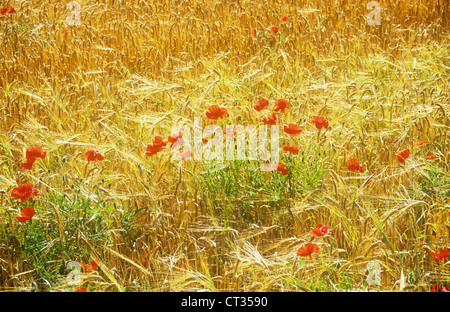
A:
284, 19
11, 11
93, 155
3, 11
26, 214
291, 148
230, 131
253, 31
82, 289
156, 146
24, 191
92, 267
429, 157
34, 152
307, 250
274, 29
443, 254
293, 130
176, 139
419, 143
321, 230
271, 120
403, 155
320, 122
348, 35
215, 112
281, 105
205, 140
261, 104
27, 165
436, 288
354, 165
282, 168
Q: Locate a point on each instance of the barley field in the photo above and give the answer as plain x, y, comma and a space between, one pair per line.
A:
91, 198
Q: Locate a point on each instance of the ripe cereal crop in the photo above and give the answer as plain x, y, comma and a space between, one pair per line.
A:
101, 163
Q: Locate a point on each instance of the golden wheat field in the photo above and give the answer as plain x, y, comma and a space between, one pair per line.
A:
93, 197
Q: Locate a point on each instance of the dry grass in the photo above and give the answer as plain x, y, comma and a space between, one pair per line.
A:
134, 69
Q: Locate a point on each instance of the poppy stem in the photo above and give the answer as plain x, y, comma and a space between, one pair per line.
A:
295, 265
11, 223
85, 170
